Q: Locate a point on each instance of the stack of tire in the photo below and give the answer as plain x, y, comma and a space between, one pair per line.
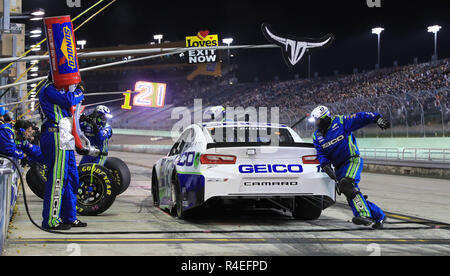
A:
99, 185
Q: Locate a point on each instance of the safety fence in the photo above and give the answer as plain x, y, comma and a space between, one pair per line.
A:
8, 197
424, 113
407, 154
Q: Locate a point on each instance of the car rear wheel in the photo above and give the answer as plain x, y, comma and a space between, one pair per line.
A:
178, 199
306, 208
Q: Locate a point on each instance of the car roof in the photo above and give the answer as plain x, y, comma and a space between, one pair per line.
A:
240, 124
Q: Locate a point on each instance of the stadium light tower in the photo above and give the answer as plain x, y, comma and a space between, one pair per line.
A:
81, 43
228, 42
435, 29
378, 32
158, 37
35, 33
38, 12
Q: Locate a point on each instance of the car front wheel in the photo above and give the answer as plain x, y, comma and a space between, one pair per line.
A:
155, 189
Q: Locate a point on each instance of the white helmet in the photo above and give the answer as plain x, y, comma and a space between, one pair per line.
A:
321, 112
101, 109
216, 113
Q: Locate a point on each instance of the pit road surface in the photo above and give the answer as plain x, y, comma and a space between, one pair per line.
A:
263, 232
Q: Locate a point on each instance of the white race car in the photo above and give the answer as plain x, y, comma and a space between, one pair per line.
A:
221, 162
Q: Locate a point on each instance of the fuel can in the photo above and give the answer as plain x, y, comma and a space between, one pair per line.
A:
62, 51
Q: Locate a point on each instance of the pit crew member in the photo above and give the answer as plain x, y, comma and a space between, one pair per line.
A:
97, 130
336, 146
24, 141
8, 145
60, 199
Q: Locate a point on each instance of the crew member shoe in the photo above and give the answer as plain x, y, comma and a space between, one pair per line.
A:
363, 221
379, 224
78, 224
59, 227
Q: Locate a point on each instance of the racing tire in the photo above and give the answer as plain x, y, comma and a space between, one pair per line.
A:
36, 178
306, 209
178, 200
120, 171
155, 189
97, 191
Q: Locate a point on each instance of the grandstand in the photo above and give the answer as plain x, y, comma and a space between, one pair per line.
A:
415, 97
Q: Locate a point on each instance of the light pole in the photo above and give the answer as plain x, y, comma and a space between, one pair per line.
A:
37, 15
435, 29
309, 65
158, 37
81, 43
228, 42
378, 32
35, 48
35, 33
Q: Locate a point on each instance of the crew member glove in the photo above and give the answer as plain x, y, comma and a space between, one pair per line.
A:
83, 152
95, 128
330, 172
82, 87
23, 162
383, 123
85, 119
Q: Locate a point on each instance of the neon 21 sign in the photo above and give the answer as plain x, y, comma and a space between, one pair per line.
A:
150, 94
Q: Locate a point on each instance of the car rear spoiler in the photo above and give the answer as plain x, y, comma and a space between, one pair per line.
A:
245, 145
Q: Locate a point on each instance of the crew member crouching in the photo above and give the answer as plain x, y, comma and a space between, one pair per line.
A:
97, 130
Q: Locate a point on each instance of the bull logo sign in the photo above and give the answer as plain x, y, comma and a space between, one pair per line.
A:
294, 48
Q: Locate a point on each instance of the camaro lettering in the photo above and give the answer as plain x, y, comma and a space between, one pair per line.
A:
278, 168
253, 184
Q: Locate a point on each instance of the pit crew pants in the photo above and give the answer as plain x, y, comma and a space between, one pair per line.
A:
61, 188
360, 206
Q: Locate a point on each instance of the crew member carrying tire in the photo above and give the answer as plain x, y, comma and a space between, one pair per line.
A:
336, 145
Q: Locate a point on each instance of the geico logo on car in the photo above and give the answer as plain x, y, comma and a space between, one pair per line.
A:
333, 142
252, 184
294, 168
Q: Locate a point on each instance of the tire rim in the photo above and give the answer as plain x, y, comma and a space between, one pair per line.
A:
90, 193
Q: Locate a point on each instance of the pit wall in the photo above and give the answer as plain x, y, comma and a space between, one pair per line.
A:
441, 173
8, 197
422, 143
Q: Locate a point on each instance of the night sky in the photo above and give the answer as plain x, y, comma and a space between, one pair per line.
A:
405, 37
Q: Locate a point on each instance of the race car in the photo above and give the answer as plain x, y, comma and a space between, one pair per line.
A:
224, 162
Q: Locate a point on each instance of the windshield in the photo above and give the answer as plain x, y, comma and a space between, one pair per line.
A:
248, 134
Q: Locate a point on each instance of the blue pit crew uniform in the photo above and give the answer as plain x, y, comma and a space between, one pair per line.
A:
339, 148
62, 183
8, 145
33, 152
100, 140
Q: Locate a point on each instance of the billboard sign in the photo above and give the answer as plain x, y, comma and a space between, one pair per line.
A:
202, 39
